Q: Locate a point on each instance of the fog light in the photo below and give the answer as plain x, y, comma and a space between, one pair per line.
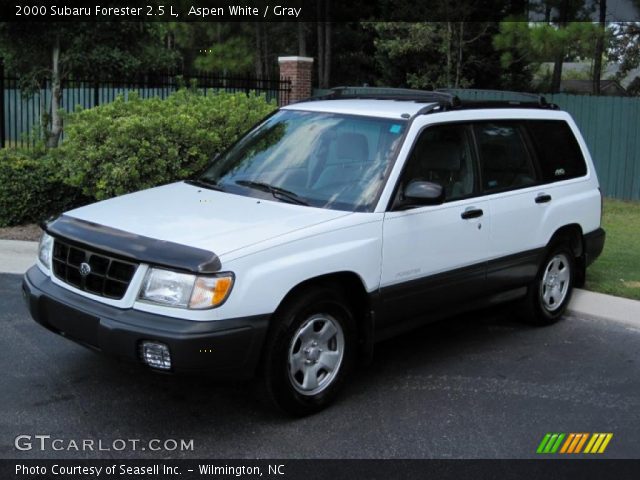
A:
156, 355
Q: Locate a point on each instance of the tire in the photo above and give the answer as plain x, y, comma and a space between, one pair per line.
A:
550, 293
309, 352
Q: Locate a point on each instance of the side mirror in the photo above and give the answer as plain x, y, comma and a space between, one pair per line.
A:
423, 193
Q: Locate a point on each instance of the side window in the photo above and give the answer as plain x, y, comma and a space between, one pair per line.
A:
504, 159
443, 155
557, 150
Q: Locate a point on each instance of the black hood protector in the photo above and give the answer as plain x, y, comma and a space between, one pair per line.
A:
133, 247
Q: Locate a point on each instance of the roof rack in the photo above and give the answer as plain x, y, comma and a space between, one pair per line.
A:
535, 100
441, 99
445, 100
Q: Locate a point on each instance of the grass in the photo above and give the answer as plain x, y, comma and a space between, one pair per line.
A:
617, 271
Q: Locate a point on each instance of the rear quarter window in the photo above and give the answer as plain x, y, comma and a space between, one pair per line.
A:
557, 150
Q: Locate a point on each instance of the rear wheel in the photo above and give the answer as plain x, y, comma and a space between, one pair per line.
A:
550, 293
309, 351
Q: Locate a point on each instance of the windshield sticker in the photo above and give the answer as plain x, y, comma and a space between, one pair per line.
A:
395, 128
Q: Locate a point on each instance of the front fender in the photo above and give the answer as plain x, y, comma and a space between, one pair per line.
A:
265, 277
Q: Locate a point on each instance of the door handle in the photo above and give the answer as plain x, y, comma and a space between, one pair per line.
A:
471, 213
543, 198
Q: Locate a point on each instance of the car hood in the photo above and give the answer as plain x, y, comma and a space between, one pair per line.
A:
197, 217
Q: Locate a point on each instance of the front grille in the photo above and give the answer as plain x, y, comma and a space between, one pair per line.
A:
108, 277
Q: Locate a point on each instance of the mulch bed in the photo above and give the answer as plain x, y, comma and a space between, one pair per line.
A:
30, 231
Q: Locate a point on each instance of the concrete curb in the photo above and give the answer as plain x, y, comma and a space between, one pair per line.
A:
599, 306
17, 257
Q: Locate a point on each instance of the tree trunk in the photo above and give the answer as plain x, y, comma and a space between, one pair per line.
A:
447, 44
597, 57
556, 78
56, 96
320, 33
563, 19
459, 59
258, 54
265, 50
326, 78
302, 39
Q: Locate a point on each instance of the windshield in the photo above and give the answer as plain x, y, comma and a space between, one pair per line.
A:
319, 159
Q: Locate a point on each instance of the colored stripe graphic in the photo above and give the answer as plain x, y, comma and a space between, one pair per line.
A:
550, 443
598, 443
577, 439
583, 439
565, 447
604, 445
555, 447
594, 437
543, 443
573, 443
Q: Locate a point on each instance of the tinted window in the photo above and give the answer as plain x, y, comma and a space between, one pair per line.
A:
557, 150
504, 159
443, 155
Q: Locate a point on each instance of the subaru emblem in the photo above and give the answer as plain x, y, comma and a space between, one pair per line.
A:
85, 269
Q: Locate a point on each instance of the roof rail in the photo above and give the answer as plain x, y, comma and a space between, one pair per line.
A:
441, 99
536, 100
445, 100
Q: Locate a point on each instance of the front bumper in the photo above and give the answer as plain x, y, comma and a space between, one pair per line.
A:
223, 347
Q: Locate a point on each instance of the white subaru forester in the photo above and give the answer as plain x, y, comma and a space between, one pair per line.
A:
332, 224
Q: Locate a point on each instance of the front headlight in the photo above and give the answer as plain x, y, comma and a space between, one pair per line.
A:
183, 290
44, 250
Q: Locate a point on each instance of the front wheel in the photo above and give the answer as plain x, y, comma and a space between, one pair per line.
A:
309, 351
550, 293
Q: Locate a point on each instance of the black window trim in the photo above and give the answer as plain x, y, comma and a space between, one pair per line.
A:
531, 149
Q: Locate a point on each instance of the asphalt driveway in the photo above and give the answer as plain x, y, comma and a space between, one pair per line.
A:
478, 386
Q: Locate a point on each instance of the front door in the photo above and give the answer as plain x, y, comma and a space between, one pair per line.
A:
436, 255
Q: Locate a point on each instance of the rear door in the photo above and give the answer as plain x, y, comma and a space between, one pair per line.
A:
510, 181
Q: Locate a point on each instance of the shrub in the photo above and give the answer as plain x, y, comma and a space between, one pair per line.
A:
139, 143
31, 188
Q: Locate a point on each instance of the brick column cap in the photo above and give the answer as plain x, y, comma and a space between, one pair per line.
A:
295, 59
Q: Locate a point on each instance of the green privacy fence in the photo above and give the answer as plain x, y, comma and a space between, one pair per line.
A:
611, 128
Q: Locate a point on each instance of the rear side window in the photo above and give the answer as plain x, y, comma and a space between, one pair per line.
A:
504, 158
557, 150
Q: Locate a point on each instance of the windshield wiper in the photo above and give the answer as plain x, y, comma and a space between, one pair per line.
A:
198, 182
277, 192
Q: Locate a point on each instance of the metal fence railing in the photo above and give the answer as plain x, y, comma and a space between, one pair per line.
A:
21, 112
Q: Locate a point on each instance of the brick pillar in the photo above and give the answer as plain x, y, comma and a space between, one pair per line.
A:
299, 71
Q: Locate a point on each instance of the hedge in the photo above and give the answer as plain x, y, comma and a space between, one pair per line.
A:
31, 188
128, 145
